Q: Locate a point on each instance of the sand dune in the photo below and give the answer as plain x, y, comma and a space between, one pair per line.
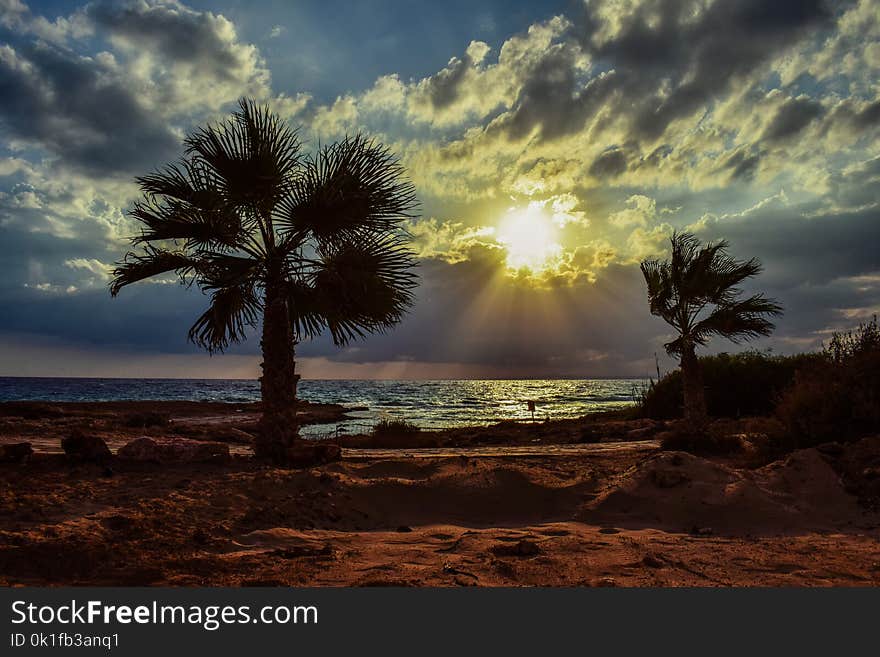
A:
629, 516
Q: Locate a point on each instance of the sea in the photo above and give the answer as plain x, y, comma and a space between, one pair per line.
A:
428, 404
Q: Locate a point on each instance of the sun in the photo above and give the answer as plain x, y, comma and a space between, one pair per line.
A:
530, 237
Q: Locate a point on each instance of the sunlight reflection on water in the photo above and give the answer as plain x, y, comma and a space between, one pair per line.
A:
429, 404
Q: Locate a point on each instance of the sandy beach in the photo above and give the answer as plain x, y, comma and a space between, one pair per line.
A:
521, 505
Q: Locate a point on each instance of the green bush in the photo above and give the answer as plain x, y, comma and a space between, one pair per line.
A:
837, 397
737, 385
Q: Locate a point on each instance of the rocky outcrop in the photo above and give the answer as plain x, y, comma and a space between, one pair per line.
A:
306, 455
173, 450
15, 452
86, 447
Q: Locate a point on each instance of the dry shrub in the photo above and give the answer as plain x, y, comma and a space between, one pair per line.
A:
838, 397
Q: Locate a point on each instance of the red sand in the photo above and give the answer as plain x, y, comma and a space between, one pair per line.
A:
610, 514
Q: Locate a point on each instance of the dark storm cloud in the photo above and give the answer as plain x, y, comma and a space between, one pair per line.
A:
821, 259
793, 116
660, 43
860, 117
444, 87
554, 99
144, 318
661, 65
869, 116
815, 266
172, 32
742, 164
76, 108
609, 164
112, 114
799, 248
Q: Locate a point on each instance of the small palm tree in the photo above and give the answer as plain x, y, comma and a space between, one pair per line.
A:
300, 243
696, 293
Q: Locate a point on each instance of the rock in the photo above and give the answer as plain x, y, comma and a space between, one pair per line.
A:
297, 552
86, 447
33, 410
173, 450
831, 449
642, 433
606, 582
523, 548
590, 434
118, 522
308, 455
404, 529
146, 419
871, 473
702, 531
15, 452
668, 478
652, 562
233, 435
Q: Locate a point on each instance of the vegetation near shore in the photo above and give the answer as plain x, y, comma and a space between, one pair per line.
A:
735, 385
808, 399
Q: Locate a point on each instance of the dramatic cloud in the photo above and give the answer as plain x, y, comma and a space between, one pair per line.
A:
609, 127
120, 111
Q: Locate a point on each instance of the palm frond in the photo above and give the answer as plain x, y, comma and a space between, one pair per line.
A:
307, 313
153, 261
712, 276
253, 156
200, 228
738, 320
676, 347
352, 186
183, 202
224, 270
685, 247
233, 309
364, 286
660, 290
697, 278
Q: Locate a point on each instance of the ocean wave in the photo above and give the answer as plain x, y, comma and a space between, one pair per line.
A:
430, 404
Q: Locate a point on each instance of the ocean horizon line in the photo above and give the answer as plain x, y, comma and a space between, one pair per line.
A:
353, 379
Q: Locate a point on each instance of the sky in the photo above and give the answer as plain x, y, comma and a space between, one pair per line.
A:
553, 146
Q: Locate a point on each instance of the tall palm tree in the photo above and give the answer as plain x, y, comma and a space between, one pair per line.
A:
696, 293
300, 243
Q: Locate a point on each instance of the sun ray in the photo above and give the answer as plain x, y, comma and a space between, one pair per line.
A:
530, 237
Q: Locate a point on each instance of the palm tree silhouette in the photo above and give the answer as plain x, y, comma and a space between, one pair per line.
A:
303, 243
696, 292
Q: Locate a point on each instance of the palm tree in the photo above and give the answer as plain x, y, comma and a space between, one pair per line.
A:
696, 293
300, 243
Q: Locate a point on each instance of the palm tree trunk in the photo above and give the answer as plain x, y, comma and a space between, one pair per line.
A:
692, 383
278, 427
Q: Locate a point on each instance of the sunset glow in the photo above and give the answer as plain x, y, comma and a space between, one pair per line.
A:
530, 238
552, 147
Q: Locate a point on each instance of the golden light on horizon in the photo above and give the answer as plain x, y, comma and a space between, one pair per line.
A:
530, 236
